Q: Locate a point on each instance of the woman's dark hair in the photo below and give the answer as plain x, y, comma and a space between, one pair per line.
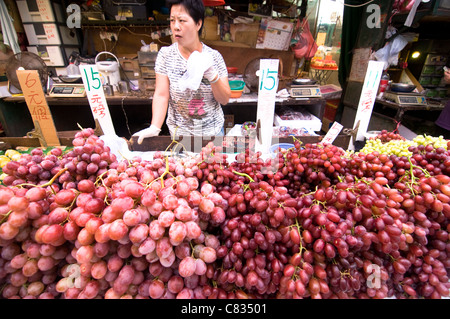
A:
195, 8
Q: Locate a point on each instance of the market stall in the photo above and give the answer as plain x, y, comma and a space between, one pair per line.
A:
281, 206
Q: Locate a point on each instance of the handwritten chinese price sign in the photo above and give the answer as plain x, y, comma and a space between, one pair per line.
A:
31, 86
268, 85
96, 97
368, 96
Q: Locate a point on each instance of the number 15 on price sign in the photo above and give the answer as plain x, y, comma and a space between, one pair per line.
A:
269, 80
96, 97
267, 90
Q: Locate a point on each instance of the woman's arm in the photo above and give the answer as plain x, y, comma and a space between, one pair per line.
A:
221, 90
160, 100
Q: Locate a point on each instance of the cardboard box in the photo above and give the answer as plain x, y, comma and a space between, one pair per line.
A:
326, 124
314, 124
146, 57
229, 121
210, 28
146, 85
131, 67
148, 72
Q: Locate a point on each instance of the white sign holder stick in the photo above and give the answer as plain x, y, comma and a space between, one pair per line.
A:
96, 97
367, 99
267, 90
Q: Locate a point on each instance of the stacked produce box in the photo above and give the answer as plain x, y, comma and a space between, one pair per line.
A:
315, 221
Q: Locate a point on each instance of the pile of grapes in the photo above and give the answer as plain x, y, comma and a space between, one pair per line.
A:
312, 222
394, 143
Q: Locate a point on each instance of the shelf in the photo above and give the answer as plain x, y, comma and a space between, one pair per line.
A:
128, 23
252, 98
227, 44
430, 86
71, 101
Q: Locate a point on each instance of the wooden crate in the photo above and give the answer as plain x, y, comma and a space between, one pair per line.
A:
65, 138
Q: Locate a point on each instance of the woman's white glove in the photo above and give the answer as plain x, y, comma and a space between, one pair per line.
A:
211, 72
148, 132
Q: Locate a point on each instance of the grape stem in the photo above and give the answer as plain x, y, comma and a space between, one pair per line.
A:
69, 208
49, 183
297, 225
167, 171
426, 173
244, 175
174, 142
346, 273
192, 248
413, 178
297, 140
100, 178
5, 217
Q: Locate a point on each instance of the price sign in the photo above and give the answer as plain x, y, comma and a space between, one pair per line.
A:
96, 97
51, 32
367, 99
45, 10
31, 86
267, 90
332, 133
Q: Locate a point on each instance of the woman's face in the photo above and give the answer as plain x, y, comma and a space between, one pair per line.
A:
184, 29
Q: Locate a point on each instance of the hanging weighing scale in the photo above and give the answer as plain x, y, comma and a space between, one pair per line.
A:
405, 98
67, 90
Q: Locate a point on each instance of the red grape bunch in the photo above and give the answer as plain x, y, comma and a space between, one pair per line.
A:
310, 222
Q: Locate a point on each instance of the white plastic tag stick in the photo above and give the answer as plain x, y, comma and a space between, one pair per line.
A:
332, 133
367, 99
96, 97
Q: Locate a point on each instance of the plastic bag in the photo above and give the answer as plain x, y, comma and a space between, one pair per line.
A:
119, 147
197, 64
389, 53
305, 46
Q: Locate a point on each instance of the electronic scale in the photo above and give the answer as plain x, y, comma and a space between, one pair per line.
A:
67, 90
305, 91
405, 98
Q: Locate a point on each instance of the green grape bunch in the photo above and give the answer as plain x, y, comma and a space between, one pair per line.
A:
395, 144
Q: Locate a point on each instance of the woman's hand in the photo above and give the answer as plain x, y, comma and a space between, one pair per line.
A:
148, 132
447, 76
211, 73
